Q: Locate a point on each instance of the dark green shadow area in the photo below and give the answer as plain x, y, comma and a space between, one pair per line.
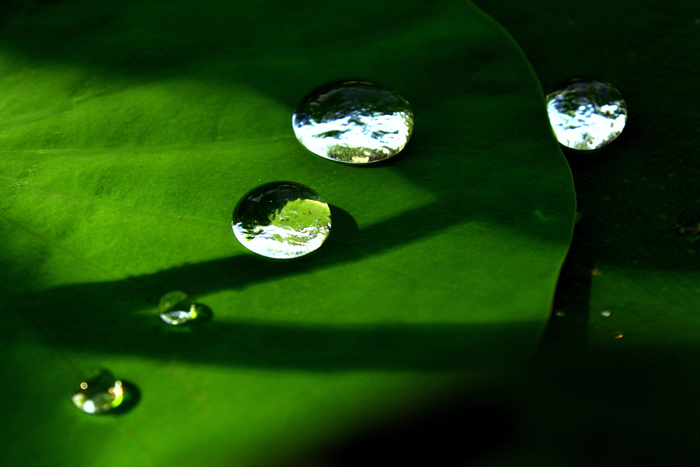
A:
86, 324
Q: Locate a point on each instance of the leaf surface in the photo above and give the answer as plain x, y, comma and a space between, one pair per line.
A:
131, 131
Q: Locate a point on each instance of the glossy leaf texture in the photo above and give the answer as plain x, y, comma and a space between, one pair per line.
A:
131, 129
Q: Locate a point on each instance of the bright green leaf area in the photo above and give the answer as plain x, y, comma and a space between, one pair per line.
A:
129, 132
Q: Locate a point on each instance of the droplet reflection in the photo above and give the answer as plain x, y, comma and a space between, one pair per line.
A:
176, 308
282, 220
586, 114
98, 392
357, 122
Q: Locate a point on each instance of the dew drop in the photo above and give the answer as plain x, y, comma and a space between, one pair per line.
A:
688, 223
176, 308
559, 314
282, 220
98, 391
587, 114
356, 122
605, 313
617, 335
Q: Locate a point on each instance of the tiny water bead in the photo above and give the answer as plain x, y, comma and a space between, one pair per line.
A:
605, 313
587, 114
176, 308
98, 391
356, 122
282, 220
688, 223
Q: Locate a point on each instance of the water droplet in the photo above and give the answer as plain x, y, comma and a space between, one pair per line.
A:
586, 114
357, 122
176, 308
605, 314
98, 391
617, 335
560, 314
282, 220
688, 223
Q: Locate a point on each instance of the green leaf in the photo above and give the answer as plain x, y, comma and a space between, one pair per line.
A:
131, 129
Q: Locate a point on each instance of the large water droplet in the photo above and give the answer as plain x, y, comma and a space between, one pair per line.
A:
688, 223
586, 114
353, 121
282, 220
176, 308
98, 391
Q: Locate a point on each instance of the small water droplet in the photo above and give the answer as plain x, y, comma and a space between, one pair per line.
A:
605, 314
617, 335
560, 314
273, 220
688, 223
587, 114
98, 392
176, 308
357, 122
